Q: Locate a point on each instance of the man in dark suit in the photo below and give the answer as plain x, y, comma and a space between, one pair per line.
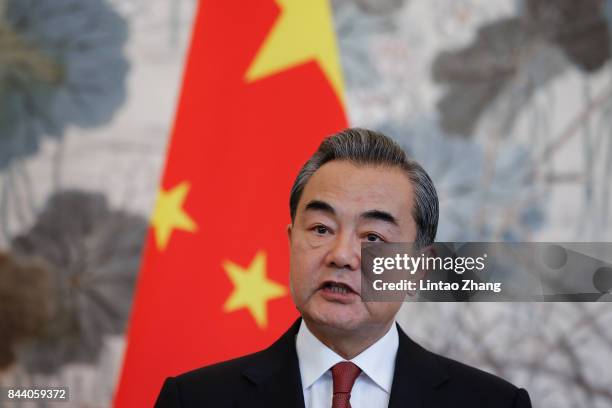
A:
358, 187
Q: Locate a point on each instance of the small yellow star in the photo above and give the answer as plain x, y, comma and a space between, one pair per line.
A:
252, 289
169, 214
304, 31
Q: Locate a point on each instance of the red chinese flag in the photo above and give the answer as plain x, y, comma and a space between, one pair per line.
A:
262, 87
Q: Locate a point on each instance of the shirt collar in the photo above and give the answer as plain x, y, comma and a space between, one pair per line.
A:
377, 361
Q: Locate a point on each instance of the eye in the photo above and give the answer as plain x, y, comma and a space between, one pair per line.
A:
371, 237
321, 229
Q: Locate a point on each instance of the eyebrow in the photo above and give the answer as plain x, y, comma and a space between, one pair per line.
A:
320, 206
377, 215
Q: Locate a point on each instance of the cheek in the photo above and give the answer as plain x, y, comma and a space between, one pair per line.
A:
301, 275
306, 258
306, 266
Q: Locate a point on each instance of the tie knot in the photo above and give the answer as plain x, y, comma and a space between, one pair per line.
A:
344, 375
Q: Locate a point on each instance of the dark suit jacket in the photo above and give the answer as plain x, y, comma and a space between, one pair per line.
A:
271, 378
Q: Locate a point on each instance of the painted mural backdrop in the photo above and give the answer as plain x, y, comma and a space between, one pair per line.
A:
508, 105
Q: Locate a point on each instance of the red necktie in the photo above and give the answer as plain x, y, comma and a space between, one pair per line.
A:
344, 375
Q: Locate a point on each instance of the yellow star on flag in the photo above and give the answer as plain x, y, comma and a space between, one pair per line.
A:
303, 31
252, 289
170, 215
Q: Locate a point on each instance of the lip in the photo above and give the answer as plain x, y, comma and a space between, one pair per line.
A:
328, 294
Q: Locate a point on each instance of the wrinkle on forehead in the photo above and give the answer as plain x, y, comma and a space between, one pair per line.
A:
354, 189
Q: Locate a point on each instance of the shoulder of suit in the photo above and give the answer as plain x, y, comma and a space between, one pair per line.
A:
449, 373
466, 373
221, 372
250, 367
465, 380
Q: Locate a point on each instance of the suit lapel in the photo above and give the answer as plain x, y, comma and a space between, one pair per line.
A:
276, 375
417, 373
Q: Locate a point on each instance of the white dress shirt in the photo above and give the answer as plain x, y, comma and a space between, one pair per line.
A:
373, 386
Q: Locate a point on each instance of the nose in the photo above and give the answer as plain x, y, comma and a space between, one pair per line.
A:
345, 252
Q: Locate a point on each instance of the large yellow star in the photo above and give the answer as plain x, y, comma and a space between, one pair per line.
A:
303, 31
169, 214
252, 289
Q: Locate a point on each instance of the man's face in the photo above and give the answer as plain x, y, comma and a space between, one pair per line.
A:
343, 205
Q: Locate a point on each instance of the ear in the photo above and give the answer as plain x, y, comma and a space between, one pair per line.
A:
289, 229
420, 274
428, 251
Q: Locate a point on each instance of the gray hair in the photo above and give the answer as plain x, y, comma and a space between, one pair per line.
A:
367, 147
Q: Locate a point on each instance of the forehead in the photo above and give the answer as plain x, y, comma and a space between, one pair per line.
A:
352, 189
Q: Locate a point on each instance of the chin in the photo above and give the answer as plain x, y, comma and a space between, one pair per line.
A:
333, 320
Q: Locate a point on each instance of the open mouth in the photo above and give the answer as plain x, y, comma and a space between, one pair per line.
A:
337, 287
